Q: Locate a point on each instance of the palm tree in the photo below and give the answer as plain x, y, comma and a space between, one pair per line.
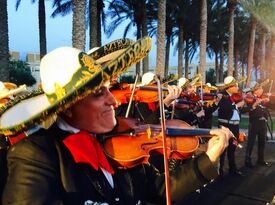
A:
63, 8
79, 24
216, 37
93, 23
42, 25
4, 42
262, 51
120, 11
161, 37
241, 31
203, 36
231, 8
251, 50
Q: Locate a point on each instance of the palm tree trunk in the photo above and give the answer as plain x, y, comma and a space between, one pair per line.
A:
161, 37
203, 35
232, 6
99, 15
251, 51
236, 67
167, 53
268, 57
180, 51
42, 28
79, 24
4, 42
93, 23
262, 53
186, 57
145, 61
221, 64
272, 59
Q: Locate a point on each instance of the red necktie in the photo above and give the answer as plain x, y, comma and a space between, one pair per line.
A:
86, 149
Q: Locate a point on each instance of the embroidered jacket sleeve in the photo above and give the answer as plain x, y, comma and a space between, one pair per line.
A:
186, 178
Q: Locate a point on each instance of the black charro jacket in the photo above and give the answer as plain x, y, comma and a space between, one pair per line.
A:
226, 107
42, 172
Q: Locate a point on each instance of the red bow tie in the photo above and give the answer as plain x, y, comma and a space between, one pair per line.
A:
85, 148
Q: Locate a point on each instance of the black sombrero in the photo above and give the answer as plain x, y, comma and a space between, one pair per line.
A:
69, 75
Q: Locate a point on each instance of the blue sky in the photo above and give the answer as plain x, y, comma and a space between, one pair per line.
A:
24, 37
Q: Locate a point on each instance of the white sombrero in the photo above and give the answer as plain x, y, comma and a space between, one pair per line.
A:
147, 78
8, 89
229, 81
69, 75
182, 82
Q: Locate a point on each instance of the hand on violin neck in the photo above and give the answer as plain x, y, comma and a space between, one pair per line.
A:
173, 93
218, 143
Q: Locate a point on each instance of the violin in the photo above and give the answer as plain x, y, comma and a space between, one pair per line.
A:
146, 94
133, 142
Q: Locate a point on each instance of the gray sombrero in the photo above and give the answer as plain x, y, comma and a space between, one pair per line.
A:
69, 75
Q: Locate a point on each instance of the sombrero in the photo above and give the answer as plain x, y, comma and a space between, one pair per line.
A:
255, 85
67, 76
183, 82
147, 78
195, 79
8, 89
229, 81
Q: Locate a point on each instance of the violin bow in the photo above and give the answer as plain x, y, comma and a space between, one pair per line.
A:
201, 96
163, 131
132, 95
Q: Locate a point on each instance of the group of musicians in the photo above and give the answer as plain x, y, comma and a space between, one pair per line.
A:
193, 109
67, 162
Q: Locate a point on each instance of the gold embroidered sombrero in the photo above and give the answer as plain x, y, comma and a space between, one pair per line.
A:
67, 75
229, 81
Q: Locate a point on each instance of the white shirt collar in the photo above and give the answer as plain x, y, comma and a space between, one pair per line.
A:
63, 125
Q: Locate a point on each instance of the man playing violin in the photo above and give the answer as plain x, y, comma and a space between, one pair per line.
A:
229, 116
144, 106
66, 164
258, 115
192, 113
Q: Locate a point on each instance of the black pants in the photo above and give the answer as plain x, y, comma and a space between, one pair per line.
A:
230, 150
256, 128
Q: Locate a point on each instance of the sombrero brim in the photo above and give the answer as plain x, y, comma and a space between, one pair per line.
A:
222, 86
111, 50
264, 83
13, 91
32, 110
195, 79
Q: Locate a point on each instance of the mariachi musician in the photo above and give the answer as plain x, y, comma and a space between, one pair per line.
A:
210, 101
191, 113
258, 115
144, 110
229, 116
65, 164
7, 91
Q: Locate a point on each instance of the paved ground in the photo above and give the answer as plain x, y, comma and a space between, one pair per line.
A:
256, 187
